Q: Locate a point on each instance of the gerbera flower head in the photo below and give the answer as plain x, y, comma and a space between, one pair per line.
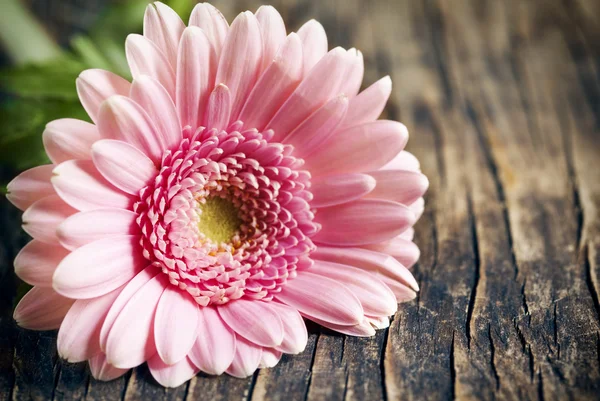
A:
239, 184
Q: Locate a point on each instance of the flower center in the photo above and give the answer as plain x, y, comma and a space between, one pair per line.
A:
219, 219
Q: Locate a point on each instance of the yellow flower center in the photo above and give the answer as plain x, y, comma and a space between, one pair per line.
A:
219, 219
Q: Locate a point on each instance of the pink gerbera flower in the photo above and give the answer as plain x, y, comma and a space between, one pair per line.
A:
238, 185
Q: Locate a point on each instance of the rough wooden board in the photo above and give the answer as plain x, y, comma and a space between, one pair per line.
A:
503, 102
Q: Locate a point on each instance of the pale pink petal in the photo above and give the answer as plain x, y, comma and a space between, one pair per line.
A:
404, 250
30, 186
295, 335
145, 58
78, 337
375, 297
400, 186
333, 190
36, 262
322, 298
218, 109
417, 207
154, 99
213, 23
284, 73
42, 218
402, 292
361, 148
123, 165
246, 360
175, 325
354, 73
97, 268
68, 138
79, 184
318, 127
214, 348
368, 105
133, 286
240, 62
95, 86
130, 341
270, 358
85, 227
363, 329
163, 26
380, 263
272, 29
314, 43
365, 221
321, 84
171, 375
102, 370
123, 119
379, 322
195, 76
42, 309
403, 161
241, 316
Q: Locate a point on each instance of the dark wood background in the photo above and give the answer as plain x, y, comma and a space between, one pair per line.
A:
503, 102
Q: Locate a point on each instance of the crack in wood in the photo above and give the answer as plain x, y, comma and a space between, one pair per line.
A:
492, 357
476, 273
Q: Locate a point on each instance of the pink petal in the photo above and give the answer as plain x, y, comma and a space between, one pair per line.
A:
145, 58
369, 104
42, 309
333, 190
123, 119
319, 127
123, 165
171, 375
131, 288
240, 315
321, 84
368, 260
403, 161
270, 358
322, 298
409, 234
246, 360
163, 26
272, 29
404, 250
68, 138
213, 23
417, 207
95, 86
363, 329
30, 186
102, 370
400, 186
218, 109
78, 337
379, 322
402, 292
42, 218
284, 73
375, 297
36, 262
241, 59
130, 341
365, 221
175, 324
354, 73
314, 43
80, 185
154, 99
295, 335
195, 76
360, 148
97, 268
214, 348
85, 227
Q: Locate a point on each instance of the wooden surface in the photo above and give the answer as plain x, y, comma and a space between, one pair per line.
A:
503, 102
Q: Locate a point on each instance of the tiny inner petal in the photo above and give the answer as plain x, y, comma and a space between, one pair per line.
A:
224, 217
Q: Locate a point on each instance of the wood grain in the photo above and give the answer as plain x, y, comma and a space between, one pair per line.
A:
503, 102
